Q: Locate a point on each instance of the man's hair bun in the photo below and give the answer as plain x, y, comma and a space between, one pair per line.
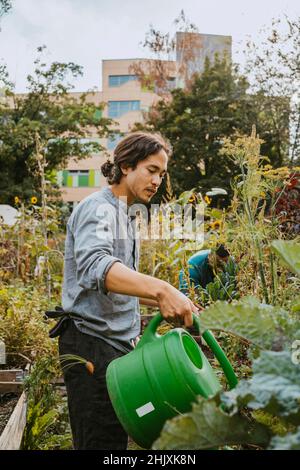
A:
107, 169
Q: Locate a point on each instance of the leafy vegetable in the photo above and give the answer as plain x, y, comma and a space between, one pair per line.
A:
289, 252
207, 427
290, 441
274, 387
259, 323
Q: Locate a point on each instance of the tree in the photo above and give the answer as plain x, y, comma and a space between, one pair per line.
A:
273, 69
67, 126
155, 74
5, 7
197, 119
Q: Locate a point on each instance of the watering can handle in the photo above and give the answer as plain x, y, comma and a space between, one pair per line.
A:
151, 335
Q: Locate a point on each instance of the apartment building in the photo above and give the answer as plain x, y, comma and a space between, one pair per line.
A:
125, 102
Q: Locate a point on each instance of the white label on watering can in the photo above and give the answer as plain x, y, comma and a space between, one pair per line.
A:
145, 409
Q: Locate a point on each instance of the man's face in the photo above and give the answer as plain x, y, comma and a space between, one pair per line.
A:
222, 261
143, 181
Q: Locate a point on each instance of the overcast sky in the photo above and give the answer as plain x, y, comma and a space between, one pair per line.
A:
87, 31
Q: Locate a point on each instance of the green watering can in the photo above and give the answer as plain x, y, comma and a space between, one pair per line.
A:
161, 378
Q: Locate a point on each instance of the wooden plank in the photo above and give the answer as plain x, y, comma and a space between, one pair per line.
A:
10, 387
11, 375
12, 435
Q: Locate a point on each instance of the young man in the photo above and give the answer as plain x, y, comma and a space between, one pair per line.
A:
102, 288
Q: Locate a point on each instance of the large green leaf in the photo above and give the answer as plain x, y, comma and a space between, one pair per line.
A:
289, 252
290, 441
274, 387
207, 427
261, 324
295, 307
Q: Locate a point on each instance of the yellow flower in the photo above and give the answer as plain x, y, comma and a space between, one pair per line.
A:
33, 200
17, 200
207, 200
216, 224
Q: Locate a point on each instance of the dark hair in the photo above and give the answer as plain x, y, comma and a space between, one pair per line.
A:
131, 150
222, 251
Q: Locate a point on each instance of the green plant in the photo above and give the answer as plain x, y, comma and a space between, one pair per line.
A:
273, 390
47, 426
67, 125
252, 223
22, 324
222, 288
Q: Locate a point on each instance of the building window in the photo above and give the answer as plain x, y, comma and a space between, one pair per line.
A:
81, 178
113, 140
119, 108
118, 80
171, 83
76, 178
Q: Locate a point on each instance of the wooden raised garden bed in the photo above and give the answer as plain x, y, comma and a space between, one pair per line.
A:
11, 437
11, 380
13, 408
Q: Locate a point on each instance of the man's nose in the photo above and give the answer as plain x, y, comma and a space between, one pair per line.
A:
156, 180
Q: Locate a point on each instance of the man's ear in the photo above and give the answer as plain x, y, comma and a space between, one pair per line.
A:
125, 169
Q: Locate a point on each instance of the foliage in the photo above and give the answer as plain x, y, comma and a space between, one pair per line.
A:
273, 71
5, 7
207, 426
32, 249
196, 121
289, 253
290, 441
287, 205
260, 324
156, 75
24, 297
22, 324
274, 387
47, 426
252, 222
68, 125
269, 398
222, 288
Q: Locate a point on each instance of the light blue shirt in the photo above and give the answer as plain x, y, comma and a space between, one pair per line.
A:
95, 240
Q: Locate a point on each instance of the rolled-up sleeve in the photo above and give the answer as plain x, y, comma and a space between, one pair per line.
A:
93, 231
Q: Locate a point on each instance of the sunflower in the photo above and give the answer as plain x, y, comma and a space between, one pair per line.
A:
33, 200
207, 200
215, 225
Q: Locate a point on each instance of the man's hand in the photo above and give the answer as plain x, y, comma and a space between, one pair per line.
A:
148, 302
199, 307
175, 305
171, 302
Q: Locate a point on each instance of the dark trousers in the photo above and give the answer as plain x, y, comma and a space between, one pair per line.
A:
94, 423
